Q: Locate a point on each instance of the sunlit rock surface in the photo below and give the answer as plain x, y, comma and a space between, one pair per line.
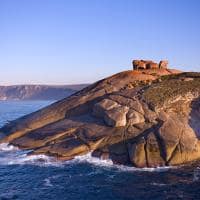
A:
144, 118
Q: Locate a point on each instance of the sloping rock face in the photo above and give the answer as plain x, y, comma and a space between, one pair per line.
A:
145, 118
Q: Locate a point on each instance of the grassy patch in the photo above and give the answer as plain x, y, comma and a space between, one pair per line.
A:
181, 75
170, 87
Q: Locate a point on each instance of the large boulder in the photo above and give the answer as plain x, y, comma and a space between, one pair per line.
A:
116, 117
135, 117
149, 64
139, 64
163, 64
101, 107
152, 65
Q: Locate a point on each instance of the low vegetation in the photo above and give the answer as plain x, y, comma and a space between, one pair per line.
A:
170, 87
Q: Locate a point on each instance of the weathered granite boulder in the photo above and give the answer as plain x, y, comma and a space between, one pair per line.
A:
116, 117
139, 64
134, 117
152, 65
101, 107
122, 118
163, 64
149, 64
111, 112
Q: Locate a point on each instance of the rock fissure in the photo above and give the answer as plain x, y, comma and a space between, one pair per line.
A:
161, 145
146, 151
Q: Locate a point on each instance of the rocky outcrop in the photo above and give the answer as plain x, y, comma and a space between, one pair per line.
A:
116, 117
144, 118
100, 108
149, 64
111, 112
139, 64
163, 64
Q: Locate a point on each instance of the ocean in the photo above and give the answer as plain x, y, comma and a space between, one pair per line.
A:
85, 178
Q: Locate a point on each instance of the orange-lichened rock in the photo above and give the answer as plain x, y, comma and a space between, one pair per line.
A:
139, 64
152, 65
163, 64
149, 64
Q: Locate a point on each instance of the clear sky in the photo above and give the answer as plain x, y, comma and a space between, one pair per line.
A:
81, 41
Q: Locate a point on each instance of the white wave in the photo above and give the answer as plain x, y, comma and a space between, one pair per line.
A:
7, 147
196, 174
47, 182
93, 160
33, 159
108, 163
19, 157
10, 155
158, 184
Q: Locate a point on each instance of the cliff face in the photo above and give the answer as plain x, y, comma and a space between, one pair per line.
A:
143, 118
37, 92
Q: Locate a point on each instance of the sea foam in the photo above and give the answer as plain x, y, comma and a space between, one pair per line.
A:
108, 163
10, 155
7, 147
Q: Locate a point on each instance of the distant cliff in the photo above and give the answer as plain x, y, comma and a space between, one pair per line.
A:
38, 92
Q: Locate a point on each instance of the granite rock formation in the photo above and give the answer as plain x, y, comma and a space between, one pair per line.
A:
143, 118
149, 64
163, 64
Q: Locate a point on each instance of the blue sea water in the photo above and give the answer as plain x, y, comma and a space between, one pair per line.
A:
39, 177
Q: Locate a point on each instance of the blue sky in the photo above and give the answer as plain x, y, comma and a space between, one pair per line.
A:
81, 41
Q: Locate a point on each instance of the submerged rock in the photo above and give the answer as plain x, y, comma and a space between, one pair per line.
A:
122, 117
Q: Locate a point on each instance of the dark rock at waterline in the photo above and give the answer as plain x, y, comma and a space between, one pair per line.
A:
144, 118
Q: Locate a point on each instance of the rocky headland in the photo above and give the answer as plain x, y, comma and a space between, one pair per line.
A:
38, 92
146, 117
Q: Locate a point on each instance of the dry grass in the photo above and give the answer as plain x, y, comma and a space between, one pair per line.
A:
170, 87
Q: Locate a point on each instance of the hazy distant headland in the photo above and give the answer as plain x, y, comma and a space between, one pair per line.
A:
38, 92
